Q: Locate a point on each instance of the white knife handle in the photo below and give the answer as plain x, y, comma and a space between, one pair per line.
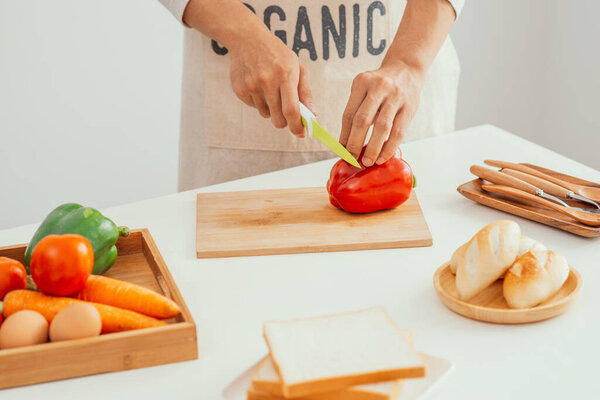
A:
309, 117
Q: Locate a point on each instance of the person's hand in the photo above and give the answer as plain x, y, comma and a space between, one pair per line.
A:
386, 98
267, 75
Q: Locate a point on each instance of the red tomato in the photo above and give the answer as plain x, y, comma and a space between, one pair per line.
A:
12, 276
61, 264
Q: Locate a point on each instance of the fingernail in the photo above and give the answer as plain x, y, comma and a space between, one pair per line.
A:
380, 160
367, 162
312, 107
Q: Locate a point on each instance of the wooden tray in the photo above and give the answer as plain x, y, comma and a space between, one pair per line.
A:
299, 221
472, 190
140, 262
490, 305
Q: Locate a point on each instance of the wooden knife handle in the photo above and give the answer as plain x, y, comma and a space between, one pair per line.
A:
546, 186
501, 178
530, 171
564, 177
519, 194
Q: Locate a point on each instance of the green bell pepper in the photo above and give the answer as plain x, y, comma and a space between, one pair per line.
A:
88, 222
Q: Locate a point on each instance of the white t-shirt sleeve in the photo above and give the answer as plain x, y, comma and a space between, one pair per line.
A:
177, 7
458, 5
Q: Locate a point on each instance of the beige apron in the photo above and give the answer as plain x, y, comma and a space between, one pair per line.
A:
335, 40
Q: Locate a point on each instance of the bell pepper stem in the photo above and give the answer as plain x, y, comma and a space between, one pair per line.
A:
123, 231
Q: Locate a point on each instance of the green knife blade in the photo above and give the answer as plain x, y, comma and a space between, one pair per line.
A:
325, 137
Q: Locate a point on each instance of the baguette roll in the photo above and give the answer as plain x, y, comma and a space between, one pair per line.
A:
534, 277
527, 244
456, 256
486, 257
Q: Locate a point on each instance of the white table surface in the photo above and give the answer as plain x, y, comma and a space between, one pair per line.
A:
231, 297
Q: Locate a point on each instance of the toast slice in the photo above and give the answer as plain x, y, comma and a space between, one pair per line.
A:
266, 385
330, 353
374, 391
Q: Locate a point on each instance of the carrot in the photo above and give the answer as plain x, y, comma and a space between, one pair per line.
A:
113, 319
101, 289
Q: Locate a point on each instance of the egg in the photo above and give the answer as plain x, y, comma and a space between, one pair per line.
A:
23, 328
76, 321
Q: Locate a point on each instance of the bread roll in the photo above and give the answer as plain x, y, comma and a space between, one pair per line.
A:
528, 244
486, 257
456, 256
534, 278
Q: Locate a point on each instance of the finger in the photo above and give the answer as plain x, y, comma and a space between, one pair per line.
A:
363, 119
357, 95
273, 99
304, 92
260, 104
291, 108
384, 121
396, 134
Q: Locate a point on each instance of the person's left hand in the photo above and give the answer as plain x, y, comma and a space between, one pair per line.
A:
386, 98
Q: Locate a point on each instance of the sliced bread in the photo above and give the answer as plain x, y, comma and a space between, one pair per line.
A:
266, 382
375, 391
331, 353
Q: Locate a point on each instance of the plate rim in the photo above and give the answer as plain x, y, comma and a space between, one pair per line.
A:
571, 297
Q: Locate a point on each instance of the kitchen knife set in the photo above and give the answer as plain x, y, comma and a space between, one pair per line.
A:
532, 186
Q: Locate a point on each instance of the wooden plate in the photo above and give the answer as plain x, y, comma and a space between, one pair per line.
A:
490, 305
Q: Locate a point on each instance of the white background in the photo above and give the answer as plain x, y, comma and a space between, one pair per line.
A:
89, 93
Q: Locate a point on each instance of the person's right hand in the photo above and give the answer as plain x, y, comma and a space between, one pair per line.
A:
267, 75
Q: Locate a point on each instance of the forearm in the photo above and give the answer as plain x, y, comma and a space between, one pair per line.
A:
226, 21
422, 31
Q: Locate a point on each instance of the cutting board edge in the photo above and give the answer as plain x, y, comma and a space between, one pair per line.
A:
419, 242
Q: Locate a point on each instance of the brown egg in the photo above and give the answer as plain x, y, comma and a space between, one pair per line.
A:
23, 328
76, 321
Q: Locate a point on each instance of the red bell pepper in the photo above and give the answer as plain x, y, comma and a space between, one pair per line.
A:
366, 190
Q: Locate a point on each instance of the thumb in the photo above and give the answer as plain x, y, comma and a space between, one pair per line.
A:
304, 92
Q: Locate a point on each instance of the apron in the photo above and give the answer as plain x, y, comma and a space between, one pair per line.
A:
335, 40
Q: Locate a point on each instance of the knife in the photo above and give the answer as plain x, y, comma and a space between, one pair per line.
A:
500, 178
549, 187
314, 130
580, 192
583, 217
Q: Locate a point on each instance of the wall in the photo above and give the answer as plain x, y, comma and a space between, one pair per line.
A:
571, 123
531, 67
89, 93
89, 104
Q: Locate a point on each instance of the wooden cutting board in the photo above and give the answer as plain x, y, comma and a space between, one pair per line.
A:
286, 221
